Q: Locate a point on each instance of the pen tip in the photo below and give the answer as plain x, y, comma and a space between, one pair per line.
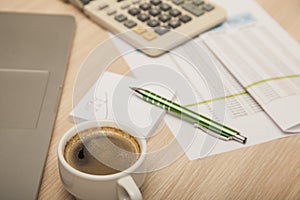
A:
240, 138
134, 88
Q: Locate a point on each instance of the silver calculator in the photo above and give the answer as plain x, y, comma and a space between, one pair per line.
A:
153, 26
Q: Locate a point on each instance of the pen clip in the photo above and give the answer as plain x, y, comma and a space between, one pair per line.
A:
209, 132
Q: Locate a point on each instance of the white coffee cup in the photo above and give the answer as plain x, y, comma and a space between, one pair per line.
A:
121, 185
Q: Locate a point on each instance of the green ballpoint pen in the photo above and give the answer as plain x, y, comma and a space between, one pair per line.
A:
207, 125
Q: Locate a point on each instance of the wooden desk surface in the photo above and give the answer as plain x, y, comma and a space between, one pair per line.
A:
266, 171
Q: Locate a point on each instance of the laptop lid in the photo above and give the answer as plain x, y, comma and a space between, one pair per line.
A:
34, 51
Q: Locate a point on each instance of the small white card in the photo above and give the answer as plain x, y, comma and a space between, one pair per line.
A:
111, 98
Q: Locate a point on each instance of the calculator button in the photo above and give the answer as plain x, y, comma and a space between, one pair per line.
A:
102, 5
143, 17
198, 2
175, 13
178, 2
120, 18
208, 7
134, 11
185, 18
174, 23
149, 36
139, 29
111, 11
130, 23
165, 7
145, 6
153, 23
125, 5
161, 30
135, 1
154, 12
155, 2
195, 10
164, 18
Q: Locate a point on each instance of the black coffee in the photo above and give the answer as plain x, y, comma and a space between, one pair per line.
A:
102, 151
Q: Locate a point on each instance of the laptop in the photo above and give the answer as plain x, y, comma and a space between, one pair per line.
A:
34, 51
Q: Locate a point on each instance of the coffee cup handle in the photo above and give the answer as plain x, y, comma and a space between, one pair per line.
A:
127, 189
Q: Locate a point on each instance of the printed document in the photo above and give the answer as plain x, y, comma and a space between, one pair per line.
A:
267, 65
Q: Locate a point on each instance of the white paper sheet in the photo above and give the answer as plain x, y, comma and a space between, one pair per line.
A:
266, 65
110, 98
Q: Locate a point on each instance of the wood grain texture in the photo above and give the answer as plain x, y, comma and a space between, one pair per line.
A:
266, 171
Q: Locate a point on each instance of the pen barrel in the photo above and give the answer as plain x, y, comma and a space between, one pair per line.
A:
188, 115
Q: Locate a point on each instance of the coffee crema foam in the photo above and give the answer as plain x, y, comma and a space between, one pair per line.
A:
102, 151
